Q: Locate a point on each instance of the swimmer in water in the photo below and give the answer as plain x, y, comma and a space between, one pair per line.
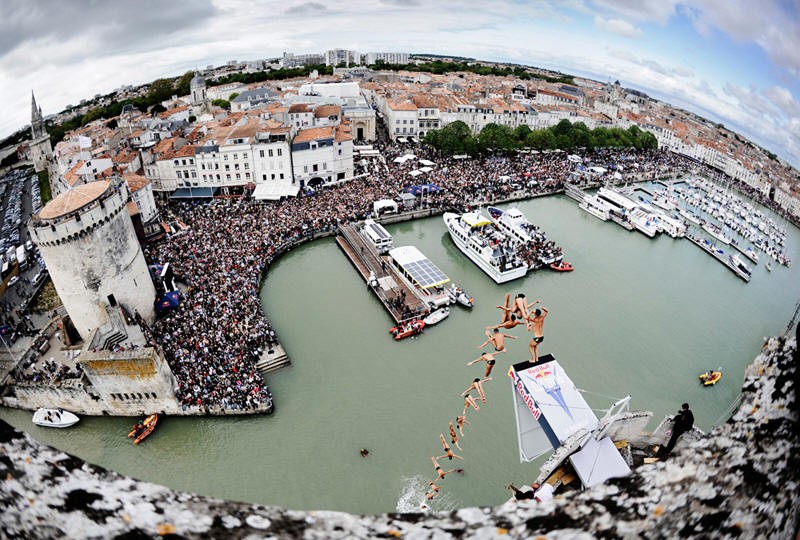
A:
364, 452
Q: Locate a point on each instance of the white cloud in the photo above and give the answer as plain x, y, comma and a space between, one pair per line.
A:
639, 10
617, 26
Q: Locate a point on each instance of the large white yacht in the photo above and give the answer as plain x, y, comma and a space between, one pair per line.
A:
622, 205
485, 245
594, 206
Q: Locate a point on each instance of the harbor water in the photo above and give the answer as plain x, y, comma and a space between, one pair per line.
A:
637, 316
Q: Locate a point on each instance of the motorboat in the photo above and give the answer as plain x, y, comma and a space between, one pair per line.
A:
739, 267
56, 418
768, 266
143, 429
716, 232
564, 266
407, 329
436, 316
460, 296
485, 245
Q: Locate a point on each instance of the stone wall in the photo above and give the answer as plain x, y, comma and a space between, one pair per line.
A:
741, 480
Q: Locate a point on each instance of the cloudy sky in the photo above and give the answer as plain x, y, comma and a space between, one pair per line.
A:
734, 61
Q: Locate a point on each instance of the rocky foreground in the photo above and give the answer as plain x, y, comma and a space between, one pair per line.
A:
739, 481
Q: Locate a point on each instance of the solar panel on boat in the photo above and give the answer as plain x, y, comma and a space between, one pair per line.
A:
425, 273
379, 230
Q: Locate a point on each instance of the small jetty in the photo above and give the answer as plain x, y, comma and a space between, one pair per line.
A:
718, 254
398, 298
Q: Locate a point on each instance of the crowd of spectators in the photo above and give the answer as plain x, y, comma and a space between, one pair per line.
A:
214, 338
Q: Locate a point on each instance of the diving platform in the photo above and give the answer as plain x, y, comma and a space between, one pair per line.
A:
397, 297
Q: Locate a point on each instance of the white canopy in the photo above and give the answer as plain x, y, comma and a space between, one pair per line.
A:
415, 173
426, 169
426, 162
404, 158
575, 159
384, 205
461, 156
598, 170
273, 191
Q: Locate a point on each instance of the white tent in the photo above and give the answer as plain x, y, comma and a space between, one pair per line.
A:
404, 158
426, 162
273, 191
575, 159
415, 173
384, 205
426, 169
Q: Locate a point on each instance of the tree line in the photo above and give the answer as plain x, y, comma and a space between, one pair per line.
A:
440, 67
456, 138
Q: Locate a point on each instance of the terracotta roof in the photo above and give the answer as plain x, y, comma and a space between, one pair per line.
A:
313, 134
300, 108
186, 151
343, 133
324, 111
125, 156
135, 181
73, 199
163, 146
132, 208
401, 106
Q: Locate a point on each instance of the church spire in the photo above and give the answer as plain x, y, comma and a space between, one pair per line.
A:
37, 122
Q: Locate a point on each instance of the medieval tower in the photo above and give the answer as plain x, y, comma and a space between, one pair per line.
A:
197, 87
88, 242
41, 149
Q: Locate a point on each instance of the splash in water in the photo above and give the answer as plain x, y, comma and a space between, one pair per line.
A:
412, 497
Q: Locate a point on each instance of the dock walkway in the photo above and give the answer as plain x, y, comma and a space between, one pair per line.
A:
711, 250
399, 299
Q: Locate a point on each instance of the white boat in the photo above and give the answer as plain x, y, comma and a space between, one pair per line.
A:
514, 224
57, 418
436, 316
751, 254
716, 232
592, 205
768, 266
457, 294
739, 267
645, 222
421, 275
691, 216
663, 200
485, 245
672, 226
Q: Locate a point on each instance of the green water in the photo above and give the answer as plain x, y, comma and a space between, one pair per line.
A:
637, 316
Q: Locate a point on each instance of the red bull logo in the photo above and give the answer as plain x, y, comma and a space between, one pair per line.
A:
524, 394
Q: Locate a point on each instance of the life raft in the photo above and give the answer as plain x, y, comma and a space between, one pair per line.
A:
141, 431
563, 267
710, 380
407, 329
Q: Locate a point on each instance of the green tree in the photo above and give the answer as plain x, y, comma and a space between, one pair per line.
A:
562, 128
233, 96
499, 138
160, 90
521, 133
224, 103
541, 139
183, 85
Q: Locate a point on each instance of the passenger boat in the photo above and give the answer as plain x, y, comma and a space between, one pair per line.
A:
408, 328
564, 266
739, 267
421, 275
57, 418
459, 295
141, 431
485, 245
514, 224
592, 205
436, 316
710, 379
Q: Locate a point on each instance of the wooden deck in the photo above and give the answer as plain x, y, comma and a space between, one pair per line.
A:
398, 298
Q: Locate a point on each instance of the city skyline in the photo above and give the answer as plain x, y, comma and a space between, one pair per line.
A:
722, 60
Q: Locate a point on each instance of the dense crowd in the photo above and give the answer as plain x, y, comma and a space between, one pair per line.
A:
214, 338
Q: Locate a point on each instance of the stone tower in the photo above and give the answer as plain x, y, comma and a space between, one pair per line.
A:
41, 149
197, 87
88, 242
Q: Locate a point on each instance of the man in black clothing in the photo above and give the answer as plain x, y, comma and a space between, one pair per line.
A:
684, 421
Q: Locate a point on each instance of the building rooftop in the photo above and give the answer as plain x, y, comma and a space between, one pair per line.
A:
73, 199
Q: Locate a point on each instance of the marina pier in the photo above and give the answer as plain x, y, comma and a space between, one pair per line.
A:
398, 298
